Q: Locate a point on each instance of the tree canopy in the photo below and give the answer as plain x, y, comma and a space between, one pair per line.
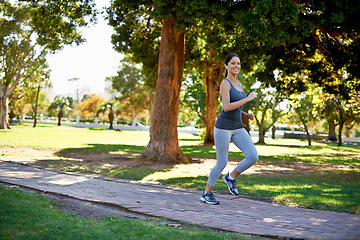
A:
321, 44
31, 29
296, 38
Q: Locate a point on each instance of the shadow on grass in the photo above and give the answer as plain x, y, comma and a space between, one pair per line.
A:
123, 151
329, 146
312, 158
111, 149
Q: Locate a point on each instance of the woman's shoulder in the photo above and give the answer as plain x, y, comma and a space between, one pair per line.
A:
225, 86
225, 82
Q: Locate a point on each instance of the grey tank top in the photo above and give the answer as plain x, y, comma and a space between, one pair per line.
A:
231, 120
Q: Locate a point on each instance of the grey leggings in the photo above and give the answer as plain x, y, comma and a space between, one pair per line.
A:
242, 140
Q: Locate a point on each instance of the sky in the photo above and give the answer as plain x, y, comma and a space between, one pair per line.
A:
91, 62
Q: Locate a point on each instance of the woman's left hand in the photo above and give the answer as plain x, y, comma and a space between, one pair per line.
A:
250, 116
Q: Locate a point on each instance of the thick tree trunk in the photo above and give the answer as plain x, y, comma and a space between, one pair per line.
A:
4, 119
212, 80
164, 146
261, 135
332, 132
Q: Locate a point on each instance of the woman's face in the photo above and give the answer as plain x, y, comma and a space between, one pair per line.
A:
234, 66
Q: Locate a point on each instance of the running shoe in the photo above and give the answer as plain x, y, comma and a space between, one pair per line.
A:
209, 198
231, 184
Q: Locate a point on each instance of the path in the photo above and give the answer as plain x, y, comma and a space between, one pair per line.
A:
233, 214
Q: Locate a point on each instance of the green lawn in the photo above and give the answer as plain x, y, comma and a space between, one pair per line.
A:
32, 216
323, 176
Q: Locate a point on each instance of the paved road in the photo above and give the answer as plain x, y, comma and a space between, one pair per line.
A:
233, 214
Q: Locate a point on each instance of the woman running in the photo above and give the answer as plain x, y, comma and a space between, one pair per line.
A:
229, 127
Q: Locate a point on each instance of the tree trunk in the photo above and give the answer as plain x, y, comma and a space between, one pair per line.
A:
341, 124
212, 79
273, 131
36, 105
111, 119
60, 115
261, 134
4, 119
164, 146
307, 133
332, 132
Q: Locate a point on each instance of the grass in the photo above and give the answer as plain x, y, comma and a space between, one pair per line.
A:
322, 176
32, 216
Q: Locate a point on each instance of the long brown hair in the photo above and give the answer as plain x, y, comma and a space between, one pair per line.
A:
228, 59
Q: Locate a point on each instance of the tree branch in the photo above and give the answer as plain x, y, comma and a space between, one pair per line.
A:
313, 34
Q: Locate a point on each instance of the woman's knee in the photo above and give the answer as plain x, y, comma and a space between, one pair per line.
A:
252, 156
220, 166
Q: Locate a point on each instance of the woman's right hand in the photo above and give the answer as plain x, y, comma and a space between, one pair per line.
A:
251, 96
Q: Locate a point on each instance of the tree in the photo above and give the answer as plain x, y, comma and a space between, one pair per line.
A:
133, 95
330, 116
28, 31
266, 109
322, 44
61, 105
90, 106
350, 123
306, 109
29, 93
175, 18
39, 78
347, 110
207, 46
195, 97
212, 79
110, 107
274, 29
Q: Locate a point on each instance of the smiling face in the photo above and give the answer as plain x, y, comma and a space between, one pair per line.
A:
234, 66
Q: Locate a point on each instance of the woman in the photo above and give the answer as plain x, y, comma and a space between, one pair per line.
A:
229, 127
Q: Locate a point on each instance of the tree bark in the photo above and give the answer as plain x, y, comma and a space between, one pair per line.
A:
273, 131
164, 146
332, 132
60, 115
4, 119
212, 78
36, 106
307, 132
111, 119
261, 136
341, 124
